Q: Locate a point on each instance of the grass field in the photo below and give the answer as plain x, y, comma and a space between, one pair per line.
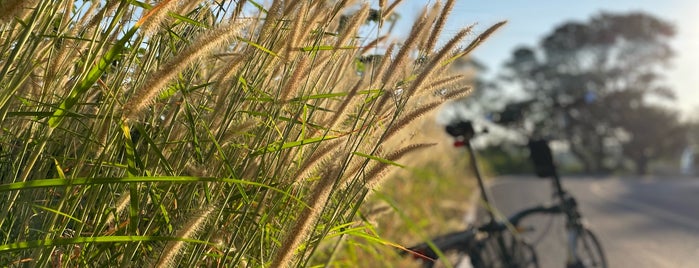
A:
217, 133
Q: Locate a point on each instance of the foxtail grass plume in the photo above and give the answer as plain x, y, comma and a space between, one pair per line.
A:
341, 110
295, 81
187, 7
291, 5
448, 81
351, 28
95, 20
121, 204
430, 20
383, 66
410, 117
188, 230
456, 93
10, 9
273, 13
389, 10
87, 15
441, 86
482, 37
298, 27
416, 34
436, 60
305, 221
68, 46
372, 44
152, 20
439, 25
376, 175
157, 81
319, 156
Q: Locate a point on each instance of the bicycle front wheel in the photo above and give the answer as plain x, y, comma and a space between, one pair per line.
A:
589, 251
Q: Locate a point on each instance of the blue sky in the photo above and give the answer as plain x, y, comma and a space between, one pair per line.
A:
530, 20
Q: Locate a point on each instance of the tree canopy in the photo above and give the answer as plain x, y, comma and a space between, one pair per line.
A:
598, 85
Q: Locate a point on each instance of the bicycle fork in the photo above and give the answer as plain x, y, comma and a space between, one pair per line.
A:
573, 261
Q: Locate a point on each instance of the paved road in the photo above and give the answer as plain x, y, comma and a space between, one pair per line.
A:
641, 222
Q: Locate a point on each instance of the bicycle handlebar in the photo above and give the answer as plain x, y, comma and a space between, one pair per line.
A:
566, 205
517, 217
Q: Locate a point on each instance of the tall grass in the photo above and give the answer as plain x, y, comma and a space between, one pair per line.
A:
202, 133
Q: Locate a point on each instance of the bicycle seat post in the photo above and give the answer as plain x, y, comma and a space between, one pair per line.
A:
481, 184
464, 132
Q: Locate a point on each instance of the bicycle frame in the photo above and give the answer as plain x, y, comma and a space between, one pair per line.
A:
467, 242
568, 206
464, 133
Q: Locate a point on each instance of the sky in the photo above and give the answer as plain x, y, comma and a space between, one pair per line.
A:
529, 21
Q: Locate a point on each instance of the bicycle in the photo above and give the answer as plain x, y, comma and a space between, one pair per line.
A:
498, 243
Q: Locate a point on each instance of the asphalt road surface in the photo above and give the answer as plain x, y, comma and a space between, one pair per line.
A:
640, 222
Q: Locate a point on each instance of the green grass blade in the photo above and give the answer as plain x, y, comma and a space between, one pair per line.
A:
57, 212
281, 146
260, 7
91, 78
98, 239
131, 159
158, 151
325, 48
258, 46
45, 183
376, 158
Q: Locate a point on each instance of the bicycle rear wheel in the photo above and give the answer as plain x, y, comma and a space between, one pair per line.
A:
456, 258
454, 249
589, 251
513, 253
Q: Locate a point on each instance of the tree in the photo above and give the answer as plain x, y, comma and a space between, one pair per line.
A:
653, 132
589, 83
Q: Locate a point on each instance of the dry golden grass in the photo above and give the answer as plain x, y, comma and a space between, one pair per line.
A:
207, 133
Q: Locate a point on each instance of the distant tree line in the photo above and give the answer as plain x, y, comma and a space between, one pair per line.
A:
598, 85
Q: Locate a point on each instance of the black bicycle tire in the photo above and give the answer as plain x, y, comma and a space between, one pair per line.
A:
461, 255
533, 261
459, 243
590, 244
490, 255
